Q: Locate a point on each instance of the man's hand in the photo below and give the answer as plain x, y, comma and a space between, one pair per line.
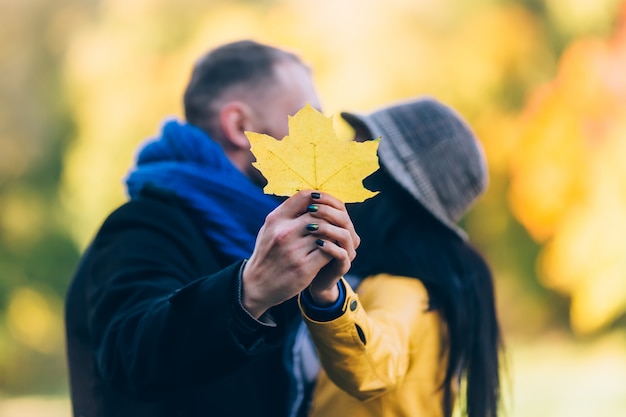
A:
309, 236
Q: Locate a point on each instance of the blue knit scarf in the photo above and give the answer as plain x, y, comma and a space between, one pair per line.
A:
228, 207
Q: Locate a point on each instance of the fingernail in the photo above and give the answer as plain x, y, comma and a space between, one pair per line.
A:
312, 227
312, 208
319, 242
316, 196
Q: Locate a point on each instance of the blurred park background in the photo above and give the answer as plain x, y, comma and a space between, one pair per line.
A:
542, 82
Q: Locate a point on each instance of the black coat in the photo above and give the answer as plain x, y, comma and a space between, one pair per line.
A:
155, 327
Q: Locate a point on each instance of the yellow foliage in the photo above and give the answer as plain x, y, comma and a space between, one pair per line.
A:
568, 183
313, 157
545, 181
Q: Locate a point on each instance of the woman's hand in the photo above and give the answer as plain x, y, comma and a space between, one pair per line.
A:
341, 251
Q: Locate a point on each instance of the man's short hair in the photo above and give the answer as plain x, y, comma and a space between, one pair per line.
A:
247, 64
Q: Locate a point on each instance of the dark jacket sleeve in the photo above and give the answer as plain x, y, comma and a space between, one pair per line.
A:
162, 313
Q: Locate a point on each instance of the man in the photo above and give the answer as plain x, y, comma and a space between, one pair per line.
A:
164, 316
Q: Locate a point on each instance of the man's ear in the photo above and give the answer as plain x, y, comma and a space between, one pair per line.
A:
235, 119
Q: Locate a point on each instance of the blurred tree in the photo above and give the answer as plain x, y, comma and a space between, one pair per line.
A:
36, 252
569, 178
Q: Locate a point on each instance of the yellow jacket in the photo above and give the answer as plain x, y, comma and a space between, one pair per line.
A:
383, 356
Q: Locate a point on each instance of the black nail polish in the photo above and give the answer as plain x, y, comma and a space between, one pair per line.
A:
312, 208
312, 227
316, 196
319, 242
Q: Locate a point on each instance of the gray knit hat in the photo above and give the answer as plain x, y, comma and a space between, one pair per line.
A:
432, 153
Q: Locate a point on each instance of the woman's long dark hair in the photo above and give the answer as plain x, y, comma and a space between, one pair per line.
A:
400, 237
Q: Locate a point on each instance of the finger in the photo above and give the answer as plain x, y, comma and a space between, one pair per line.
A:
332, 235
297, 204
322, 213
317, 198
329, 200
326, 251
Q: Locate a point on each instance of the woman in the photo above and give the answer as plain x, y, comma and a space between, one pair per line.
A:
421, 337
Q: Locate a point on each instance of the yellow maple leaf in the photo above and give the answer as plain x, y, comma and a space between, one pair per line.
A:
313, 157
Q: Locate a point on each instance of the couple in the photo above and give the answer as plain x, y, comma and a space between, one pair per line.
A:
191, 298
